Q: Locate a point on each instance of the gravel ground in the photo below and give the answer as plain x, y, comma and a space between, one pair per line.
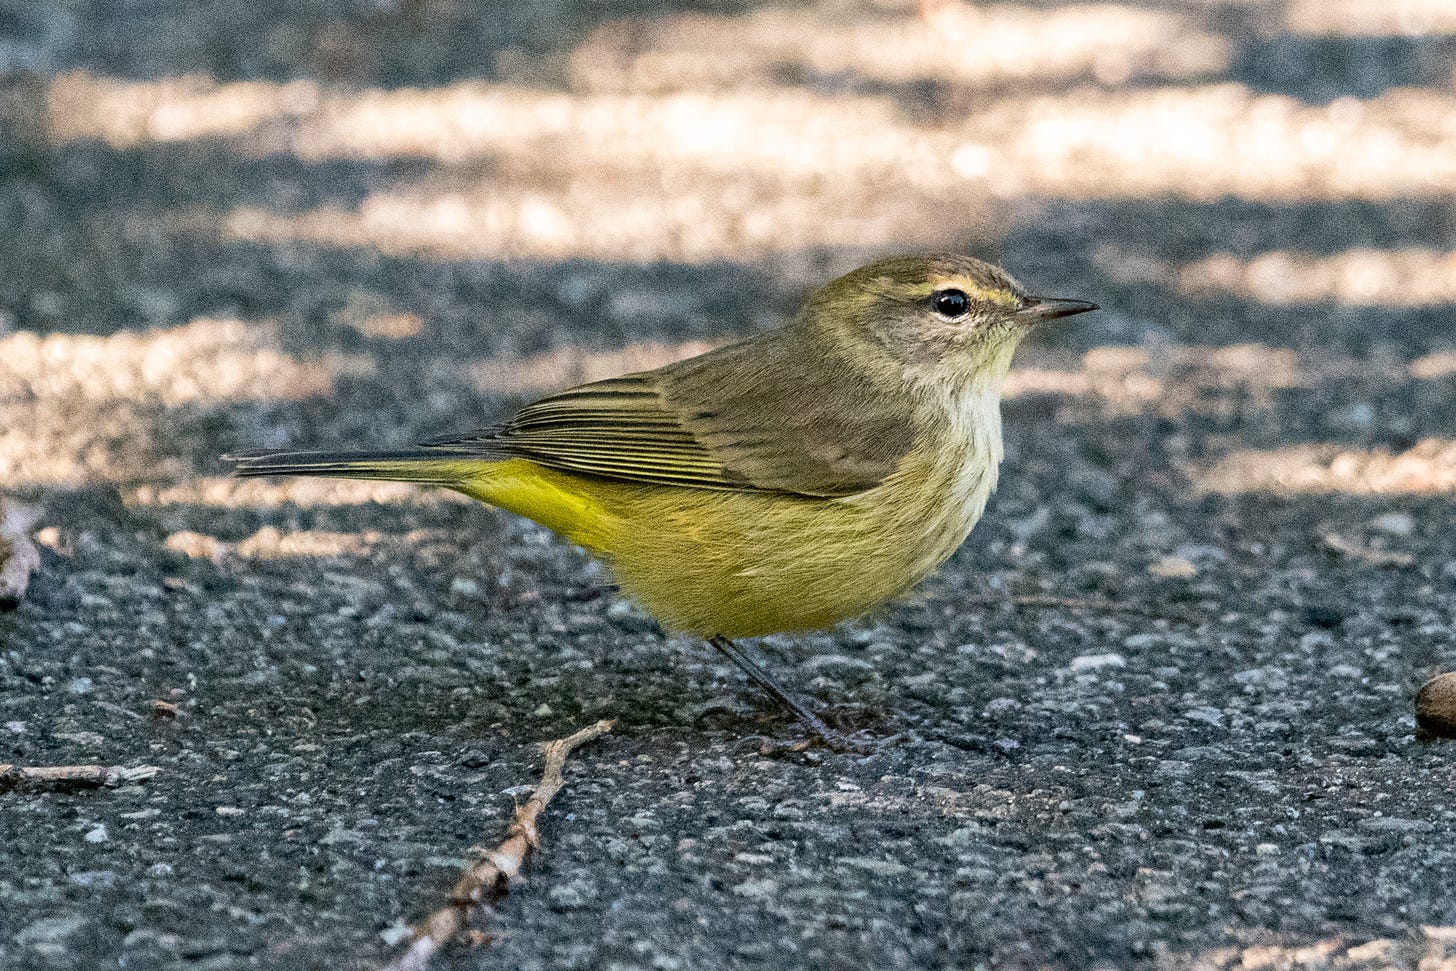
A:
232, 227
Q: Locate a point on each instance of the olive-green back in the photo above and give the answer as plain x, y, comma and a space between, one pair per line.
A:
782, 412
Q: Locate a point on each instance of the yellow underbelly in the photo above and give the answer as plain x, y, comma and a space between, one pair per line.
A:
745, 564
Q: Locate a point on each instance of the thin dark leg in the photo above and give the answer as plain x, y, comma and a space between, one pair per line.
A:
764, 680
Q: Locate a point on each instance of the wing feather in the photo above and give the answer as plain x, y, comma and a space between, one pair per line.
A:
767, 414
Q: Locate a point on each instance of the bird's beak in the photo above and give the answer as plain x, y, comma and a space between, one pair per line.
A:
1050, 308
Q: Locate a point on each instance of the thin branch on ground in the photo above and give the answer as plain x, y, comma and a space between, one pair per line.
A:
18, 556
487, 880
69, 778
167, 710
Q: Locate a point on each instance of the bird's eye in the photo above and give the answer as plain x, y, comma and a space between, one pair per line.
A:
951, 303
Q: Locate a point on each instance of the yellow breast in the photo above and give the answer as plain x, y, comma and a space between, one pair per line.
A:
745, 564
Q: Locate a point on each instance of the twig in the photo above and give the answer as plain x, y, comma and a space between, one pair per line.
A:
488, 879
167, 710
1073, 603
18, 556
68, 778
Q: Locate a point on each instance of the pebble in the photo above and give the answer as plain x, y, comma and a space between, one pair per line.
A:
49, 930
836, 662
1394, 523
760, 888
1173, 567
1201, 553
884, 868
1208, 716
1436, 707
1091, 662
464, 587
572, 894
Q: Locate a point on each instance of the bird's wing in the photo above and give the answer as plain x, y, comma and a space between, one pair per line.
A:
753, 416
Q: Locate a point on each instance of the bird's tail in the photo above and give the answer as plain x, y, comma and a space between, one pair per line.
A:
427, 466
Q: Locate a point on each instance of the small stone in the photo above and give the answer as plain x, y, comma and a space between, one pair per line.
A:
464, 587
97, 834
197, 546
884, 868
1172, 568
1394, 523
1201, 553
1091, 662
1208, 716
572, 894
621, 610
1395, 824
50, 930
1265, 678
94, 878
1359, 416
1436, 708
836, 662
761, 888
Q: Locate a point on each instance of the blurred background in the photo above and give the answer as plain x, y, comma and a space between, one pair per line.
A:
259, 224
236, 225
230, 226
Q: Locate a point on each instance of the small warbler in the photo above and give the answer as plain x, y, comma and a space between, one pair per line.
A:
783, 483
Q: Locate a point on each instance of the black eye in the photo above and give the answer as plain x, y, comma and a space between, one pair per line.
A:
951, 303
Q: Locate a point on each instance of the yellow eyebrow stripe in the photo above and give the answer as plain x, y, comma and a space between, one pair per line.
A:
999, 296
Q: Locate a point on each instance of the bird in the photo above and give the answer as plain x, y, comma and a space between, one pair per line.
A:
779, 484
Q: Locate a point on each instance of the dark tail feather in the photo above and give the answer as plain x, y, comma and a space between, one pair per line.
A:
429, 466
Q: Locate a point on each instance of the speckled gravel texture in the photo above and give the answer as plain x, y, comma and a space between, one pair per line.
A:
1241, 474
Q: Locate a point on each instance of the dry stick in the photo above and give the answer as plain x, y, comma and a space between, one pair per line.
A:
488, 879
67, 778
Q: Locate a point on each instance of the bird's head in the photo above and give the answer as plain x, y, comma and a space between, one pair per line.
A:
941, 318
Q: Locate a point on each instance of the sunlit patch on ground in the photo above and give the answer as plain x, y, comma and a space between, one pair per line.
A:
75, 408
1410, 277
1431, 948
1372, 18
224, 492
269, 543
595, 217
205, 360
741, 177
1431, 366
125, 113
747, 171
951, 42
1216, 140
1428, 467
1169, 378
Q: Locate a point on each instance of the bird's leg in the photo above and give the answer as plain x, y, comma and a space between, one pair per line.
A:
764, 680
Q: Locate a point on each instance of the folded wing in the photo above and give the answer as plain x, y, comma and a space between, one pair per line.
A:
773, 413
